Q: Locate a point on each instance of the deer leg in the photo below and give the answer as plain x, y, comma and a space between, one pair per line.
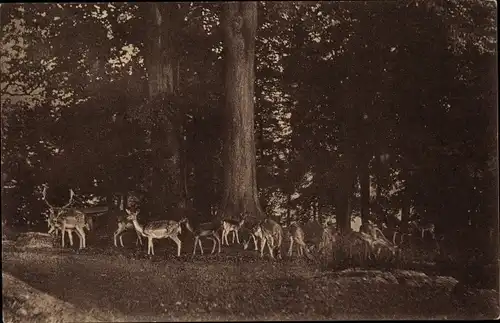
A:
121, 240
117, 234
139, 237
114, 238
63, 232
224, 237
218, 240
213, 244
201, 246
234, 237
290, 250
254, 242
83, 242
70, 234
150, 246
195, 245
237, 237
178, 242
270, 246
302, 246
262, 245
137, 241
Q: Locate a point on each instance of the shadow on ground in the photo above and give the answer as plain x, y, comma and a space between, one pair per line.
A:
234, 285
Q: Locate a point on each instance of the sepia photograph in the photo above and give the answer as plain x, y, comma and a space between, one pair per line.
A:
249, 161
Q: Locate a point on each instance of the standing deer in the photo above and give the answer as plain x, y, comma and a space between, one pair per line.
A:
422, 229
66, 220
375, 237
270, 233
229, 226
125, 225
158, 230
297, 237
208, 230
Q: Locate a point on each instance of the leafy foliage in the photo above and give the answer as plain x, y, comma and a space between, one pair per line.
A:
405, 89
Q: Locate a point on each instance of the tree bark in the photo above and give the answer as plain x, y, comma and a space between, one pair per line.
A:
125, 200
288, 208
364, 181
240, 193
162, 64
343, 195
109, 201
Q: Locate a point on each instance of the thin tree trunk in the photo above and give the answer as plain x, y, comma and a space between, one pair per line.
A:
125, 200
289, 209
343, 196
364, 181
109, 201
240, 181
405, 200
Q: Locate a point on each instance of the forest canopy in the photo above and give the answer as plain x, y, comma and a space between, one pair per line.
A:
361, 108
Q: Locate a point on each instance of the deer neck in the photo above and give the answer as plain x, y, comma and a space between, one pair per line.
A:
139, 228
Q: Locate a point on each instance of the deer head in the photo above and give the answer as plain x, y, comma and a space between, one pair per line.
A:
132, 215
56, 211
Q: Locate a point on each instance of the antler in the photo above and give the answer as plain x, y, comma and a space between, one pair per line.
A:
71, 193
44, 197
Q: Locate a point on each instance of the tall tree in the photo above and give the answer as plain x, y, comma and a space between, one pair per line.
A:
240, 182
162, 64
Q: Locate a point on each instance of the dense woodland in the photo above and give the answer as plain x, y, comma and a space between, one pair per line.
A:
370, 108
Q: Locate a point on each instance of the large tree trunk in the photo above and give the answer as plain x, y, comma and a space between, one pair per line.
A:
240, 182
162, 63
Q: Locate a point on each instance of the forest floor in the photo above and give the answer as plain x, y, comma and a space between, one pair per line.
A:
122, 284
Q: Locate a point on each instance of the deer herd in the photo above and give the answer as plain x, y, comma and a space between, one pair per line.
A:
370, 239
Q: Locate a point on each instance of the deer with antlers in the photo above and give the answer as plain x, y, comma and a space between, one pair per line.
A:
158, 230
376, 238
67, 220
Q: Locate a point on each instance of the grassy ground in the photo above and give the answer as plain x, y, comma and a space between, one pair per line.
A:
127, 286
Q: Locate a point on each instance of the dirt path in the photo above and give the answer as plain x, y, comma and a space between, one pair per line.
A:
218, 290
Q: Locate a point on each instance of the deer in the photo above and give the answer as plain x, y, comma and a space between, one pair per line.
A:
252, 237
375, 237
297, 237
208, 230
228, 226
158, 230
372, 230
124, 225
270, 233
422, 229
329, 236
67, 219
